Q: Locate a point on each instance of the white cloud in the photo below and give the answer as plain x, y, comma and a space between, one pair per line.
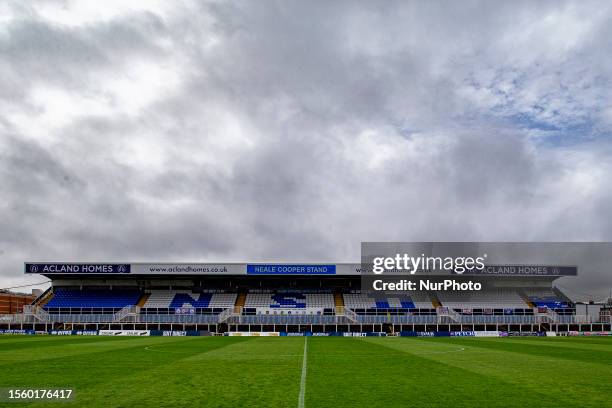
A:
74, 13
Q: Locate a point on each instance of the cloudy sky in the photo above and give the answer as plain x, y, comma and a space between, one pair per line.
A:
218, 131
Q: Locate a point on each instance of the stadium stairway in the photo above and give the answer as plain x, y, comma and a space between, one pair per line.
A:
240, 301
44, 298
143, 299
524, 296
561, 295
339, 302
435, 301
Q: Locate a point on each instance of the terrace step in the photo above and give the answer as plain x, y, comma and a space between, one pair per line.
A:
526, 299
339, 302
143, 299
435, 301
44, 298
240, 301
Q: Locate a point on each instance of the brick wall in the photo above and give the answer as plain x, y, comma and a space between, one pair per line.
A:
13, 302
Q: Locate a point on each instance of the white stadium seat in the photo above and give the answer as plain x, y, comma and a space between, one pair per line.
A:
491, 298
165, 298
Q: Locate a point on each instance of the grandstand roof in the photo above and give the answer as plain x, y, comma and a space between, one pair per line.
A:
84, 269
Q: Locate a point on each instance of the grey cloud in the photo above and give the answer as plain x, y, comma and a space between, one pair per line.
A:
295, 131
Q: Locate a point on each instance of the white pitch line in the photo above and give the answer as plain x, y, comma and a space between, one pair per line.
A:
440, 352
150, 348
304, 370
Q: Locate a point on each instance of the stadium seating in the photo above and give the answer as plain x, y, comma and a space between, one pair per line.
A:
365, 301
509, 303
543, 297
289, 300
223, 300
421, 300
93, 298
491, 298
160, 298
185, 298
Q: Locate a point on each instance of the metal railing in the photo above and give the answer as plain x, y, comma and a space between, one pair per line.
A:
397, 319
227, 313
125, 313
13, 318
491, 319
34, 314
291, 319
180, 319
447, 315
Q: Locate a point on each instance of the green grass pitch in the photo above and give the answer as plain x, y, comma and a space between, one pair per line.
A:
339, 372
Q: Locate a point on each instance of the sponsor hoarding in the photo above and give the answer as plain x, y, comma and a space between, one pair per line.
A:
186, 269
71, 268
124, 333
283, 269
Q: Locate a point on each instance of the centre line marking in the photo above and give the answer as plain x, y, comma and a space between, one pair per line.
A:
304, 370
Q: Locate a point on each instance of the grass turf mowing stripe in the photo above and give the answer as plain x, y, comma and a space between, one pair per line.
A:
34, 342
573, 383
106, 379
397, 378
234, 375
78, 367
585, 339
560, 342
567, 353
266, 372
86, 346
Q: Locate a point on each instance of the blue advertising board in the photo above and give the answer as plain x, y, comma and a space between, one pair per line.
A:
66, 268
281, 269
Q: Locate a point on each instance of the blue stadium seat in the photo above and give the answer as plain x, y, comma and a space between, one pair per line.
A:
296, 300
382, 303
550, 303
407, 304
90, 298
182, 299
364, 301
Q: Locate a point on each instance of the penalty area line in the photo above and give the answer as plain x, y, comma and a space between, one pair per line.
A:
303, 378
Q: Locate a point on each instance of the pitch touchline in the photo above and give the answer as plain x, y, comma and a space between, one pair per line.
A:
303, 379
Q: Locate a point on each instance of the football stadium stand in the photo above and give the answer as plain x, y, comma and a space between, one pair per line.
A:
254, 297
363, 301
275, 302
547, 297
493, 298
93, 298
178, 298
